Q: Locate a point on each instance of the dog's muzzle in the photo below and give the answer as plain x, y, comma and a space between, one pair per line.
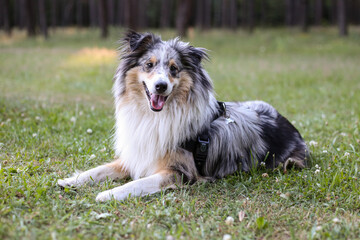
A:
157, 101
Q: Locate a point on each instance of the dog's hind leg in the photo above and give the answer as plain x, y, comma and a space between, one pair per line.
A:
111, 171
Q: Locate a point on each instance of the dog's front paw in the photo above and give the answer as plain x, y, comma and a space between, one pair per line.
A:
104, 196
68, 182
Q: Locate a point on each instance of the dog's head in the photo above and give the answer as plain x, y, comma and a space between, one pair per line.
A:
161, 71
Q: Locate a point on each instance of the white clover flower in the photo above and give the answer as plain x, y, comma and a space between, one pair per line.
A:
229, 220
169, 237
316, 166
34, 135
336, 220
262, 163
318, 228
227, 237
73, 119
313, 143
89, 131
346, 154
317, 171
325, 151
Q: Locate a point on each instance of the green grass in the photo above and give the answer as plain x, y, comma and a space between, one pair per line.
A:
52, 91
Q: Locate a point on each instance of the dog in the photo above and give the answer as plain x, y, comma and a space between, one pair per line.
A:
170, 129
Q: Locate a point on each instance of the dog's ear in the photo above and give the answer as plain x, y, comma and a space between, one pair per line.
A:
138, 42
197, 54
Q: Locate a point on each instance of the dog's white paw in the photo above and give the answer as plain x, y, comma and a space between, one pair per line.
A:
104, 196
68, 182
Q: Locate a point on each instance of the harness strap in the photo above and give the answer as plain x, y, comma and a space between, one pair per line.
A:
200, 146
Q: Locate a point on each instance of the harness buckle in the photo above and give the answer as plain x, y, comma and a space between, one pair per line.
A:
204, 143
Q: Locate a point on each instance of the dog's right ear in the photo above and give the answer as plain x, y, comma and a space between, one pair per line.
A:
139, 42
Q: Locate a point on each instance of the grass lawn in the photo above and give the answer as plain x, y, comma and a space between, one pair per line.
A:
52, 92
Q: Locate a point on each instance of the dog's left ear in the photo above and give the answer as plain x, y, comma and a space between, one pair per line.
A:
198, 54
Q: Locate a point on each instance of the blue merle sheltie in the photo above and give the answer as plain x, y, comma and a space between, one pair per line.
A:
170, 128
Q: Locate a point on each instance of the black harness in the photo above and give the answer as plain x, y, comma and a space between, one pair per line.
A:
200, 146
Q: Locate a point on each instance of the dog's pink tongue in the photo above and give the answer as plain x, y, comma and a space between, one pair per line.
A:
157, 101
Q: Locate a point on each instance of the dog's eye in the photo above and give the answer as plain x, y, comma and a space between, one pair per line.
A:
173, 69
149, 65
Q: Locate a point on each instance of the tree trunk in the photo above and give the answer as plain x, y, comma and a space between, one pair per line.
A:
199, 13
333, 11
183, 16
203, 14
217, 13
289, 12
30, 17
142, 14
42, 18
54, 13
263, 13
250, 15
79, 13
131, 10
103, 18
318, 12
166, 6
111, 12
120, 16
68, 13
207, 14
225, 14
304, 8
6, 15
93, 13
341, 17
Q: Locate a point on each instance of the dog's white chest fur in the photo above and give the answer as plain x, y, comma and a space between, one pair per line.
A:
142, 138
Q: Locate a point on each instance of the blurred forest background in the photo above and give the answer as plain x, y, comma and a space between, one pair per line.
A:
38, 16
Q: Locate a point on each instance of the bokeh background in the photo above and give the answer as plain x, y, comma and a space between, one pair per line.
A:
41, 15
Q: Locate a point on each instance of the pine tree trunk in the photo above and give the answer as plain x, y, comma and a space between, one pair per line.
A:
304, 8
342, 18
54, 13
111, 12
166, 6
103, 18
289, 15
250, 15
142, 14
30, 17
225, 14
42, 18
207, 14
183, 16
93, 13
120, 15
131, 12
318, 12
4, 5
79, 13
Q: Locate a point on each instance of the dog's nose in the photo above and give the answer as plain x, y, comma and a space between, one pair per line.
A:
161, 86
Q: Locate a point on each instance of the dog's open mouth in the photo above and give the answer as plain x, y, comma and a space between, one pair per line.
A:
156, 101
